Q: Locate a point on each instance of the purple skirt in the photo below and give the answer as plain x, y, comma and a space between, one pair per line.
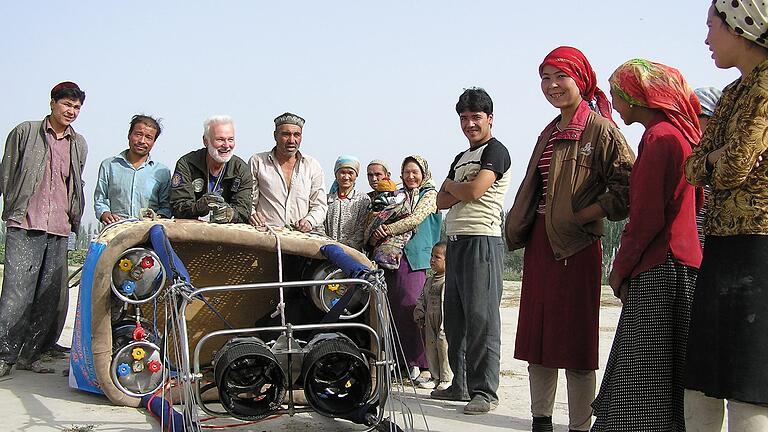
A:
403, 289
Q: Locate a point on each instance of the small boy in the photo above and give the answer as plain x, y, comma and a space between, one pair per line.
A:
429, 316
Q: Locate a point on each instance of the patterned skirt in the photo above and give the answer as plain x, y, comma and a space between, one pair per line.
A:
642, 389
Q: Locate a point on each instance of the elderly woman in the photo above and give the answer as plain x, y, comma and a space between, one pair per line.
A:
728, 341
403, 235
654, 271
578, 175
347, 207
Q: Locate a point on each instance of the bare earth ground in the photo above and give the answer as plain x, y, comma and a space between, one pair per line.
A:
32, 402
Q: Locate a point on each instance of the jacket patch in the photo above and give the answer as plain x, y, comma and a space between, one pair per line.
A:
236, 185
176, 180
587, 149
198, 185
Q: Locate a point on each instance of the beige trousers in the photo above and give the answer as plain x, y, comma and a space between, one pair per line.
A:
581, 393
706, 414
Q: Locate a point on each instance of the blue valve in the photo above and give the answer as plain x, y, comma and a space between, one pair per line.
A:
128, 287
334, 301
123, 370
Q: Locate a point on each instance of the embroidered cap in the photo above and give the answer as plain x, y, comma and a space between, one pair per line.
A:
289, 118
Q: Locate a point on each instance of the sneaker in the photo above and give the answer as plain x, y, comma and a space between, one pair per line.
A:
429, 384
443, 385
5, 368
414, 373
36, 366
449, 395
423, 377
478, 405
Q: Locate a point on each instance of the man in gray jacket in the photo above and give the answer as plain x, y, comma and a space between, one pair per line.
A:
42, 190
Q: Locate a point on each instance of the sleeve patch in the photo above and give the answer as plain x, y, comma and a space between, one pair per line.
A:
176, 180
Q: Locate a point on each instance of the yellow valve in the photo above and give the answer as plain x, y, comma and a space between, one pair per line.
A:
138, 353
125, 264
348, 384
333, 287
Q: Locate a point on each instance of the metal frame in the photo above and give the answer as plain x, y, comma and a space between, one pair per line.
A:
191, 371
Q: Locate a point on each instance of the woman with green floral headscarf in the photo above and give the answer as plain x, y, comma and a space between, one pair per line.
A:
654, 271
728, 341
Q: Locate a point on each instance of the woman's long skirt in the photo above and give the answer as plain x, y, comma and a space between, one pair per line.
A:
728, 342
642, 388
403, 289
559, 305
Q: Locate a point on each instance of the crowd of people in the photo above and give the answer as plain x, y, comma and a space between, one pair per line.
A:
691, 340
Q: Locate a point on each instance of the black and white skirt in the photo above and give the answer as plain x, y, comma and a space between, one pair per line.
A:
642, 388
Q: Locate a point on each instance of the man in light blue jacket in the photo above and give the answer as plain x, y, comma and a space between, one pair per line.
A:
132, 181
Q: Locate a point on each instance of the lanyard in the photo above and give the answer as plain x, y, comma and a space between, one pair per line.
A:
216, 185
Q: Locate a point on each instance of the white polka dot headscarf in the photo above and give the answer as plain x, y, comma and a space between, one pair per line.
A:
748, 18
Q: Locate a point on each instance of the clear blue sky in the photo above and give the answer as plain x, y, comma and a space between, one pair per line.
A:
373, 79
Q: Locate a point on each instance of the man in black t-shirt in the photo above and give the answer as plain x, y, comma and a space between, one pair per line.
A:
474, 194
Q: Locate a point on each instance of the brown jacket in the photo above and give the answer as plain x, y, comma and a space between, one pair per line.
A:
590, 163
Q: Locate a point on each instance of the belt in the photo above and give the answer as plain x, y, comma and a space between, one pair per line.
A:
461, 237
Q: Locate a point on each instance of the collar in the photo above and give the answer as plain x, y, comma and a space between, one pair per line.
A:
576, 126
68, 132
480, 145
273, 156
124, 156
200, 163
659, 117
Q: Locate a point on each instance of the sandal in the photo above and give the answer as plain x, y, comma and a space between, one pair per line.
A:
36, 366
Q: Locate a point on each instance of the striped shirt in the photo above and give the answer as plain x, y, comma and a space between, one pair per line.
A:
543, 166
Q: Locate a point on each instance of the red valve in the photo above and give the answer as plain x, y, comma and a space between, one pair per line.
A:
147, 262
154, 366
139, 333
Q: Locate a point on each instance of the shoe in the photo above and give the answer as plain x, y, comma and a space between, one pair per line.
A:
414, 373
443, 385
423, 377
55, 354
59, 348
542, 424
5, 368
478, 405
430, 384
449, 395
36, 366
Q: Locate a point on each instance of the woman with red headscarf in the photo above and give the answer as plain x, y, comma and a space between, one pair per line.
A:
654, 272
578, 175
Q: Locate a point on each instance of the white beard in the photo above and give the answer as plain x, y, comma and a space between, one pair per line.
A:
214, 154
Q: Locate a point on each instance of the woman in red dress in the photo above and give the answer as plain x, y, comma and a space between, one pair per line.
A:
577, 176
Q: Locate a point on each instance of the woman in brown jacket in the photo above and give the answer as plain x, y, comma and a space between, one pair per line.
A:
578, 175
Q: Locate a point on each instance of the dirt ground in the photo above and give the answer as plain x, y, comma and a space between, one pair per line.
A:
32, 402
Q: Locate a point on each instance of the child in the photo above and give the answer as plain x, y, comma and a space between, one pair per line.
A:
385, 195
429, 315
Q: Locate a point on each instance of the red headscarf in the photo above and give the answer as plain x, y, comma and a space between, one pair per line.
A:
654, 85
575, 65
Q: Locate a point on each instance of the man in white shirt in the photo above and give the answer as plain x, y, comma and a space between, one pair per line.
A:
288, 186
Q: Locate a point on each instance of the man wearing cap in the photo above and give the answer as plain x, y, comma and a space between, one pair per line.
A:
212, 183
377, 170
288, 186
132, 181
41, 185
